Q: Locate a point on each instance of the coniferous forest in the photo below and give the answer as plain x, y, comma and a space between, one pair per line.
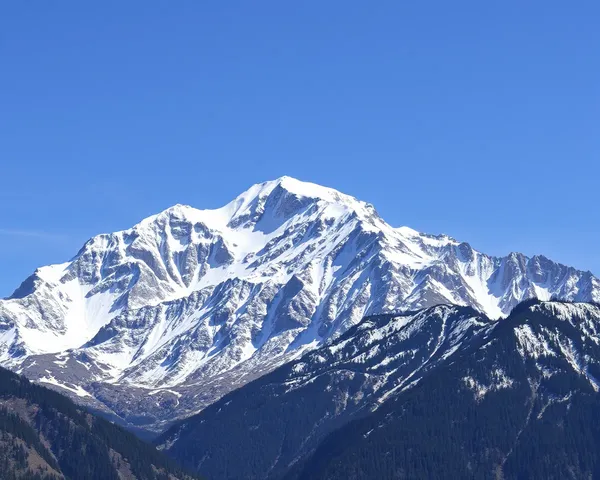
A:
45, 436
539, 426
519, 400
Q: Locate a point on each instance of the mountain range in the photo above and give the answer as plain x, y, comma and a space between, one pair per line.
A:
155, 323
440, 393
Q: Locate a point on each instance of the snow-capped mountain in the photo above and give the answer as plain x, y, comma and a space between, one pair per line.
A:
521, 404
171, 314
301, 402
445, 379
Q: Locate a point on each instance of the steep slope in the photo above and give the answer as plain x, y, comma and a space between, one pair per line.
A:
440, 393
44, 436
189, 304
522, 404
276, 420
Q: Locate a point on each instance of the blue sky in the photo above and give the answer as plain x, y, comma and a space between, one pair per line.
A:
475, 119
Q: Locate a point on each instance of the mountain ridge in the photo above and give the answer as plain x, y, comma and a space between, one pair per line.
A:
189, 304
520, 405
316, 416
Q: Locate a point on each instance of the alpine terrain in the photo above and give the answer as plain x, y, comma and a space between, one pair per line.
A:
154, 323
440, 393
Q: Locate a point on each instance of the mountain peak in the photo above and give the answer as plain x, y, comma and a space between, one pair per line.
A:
309, 189
298, 188
261, 197
287, 265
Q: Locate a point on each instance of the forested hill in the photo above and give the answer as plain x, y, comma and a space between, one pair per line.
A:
45, 436
522, 404
440, 393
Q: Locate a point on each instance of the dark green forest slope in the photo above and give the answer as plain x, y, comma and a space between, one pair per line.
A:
45, 436
439, 394
521, 404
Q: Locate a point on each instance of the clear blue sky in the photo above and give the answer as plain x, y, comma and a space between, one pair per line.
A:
475, 119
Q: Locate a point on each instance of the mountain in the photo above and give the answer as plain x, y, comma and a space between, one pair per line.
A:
45, 436
154, 323
522, 404
440, 393
280, 418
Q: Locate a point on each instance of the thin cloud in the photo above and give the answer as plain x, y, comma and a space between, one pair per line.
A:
11, 232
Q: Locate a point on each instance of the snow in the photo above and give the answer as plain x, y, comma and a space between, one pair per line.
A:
199, 292
162, 390
570, 353
52, 273
499, 381
477, 282
532, 345
568, 311
7, 338
77, 390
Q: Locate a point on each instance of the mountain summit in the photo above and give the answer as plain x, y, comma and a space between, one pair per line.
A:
189, 304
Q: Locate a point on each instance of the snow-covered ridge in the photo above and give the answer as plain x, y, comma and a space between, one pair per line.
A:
188, 296
545, 351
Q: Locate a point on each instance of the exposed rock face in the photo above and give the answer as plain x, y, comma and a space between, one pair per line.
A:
166, 317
